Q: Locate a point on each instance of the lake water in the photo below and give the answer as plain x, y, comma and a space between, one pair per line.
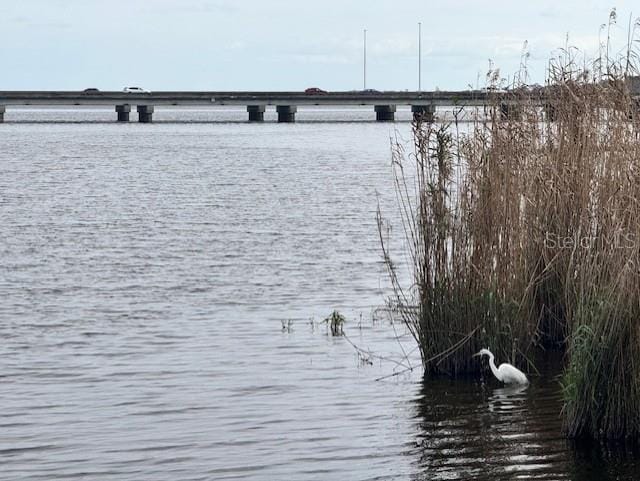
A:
146, 274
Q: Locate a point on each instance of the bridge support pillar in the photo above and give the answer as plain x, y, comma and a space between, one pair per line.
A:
423, 113
123, 112
510, 112
550, 112
2, 111
286, 113
145, 114
634, 110
385, 113
256, 113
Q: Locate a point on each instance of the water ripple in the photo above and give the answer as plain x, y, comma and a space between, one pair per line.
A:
145, 273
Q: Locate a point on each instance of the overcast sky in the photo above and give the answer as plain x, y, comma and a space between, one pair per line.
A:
285, 44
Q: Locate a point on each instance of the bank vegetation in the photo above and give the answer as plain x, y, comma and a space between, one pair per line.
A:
523, 233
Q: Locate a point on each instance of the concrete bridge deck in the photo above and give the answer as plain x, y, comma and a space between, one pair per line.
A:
203, 98
422, 103
286, 103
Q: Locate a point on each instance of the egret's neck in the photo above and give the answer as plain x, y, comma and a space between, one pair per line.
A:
494, 369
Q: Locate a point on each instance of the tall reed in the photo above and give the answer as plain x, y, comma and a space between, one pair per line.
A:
523, 230
602, 261
463, 205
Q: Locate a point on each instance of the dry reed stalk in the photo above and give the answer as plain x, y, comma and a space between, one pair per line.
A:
525, 232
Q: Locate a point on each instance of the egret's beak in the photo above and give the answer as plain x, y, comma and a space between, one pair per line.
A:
476, 354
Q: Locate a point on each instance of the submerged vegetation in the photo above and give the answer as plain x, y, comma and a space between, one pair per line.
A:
523, 231
335, 322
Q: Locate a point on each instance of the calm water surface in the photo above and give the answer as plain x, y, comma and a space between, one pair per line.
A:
145, 274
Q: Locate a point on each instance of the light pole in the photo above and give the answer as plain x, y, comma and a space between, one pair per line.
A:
364, 63
419, 56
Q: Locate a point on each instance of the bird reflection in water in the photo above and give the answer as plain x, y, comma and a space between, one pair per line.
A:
508, 398
473, 430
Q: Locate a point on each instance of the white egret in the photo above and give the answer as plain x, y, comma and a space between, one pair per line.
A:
506, 373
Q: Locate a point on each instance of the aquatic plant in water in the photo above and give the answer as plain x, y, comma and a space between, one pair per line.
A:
335, 322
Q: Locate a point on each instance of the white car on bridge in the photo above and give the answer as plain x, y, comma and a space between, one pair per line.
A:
135, 90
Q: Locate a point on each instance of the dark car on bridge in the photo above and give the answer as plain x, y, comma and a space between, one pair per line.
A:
315, 91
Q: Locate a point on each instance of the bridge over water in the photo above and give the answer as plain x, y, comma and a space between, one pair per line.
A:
285, 103
422, 103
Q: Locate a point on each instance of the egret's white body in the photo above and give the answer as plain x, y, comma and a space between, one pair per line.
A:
506, 373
